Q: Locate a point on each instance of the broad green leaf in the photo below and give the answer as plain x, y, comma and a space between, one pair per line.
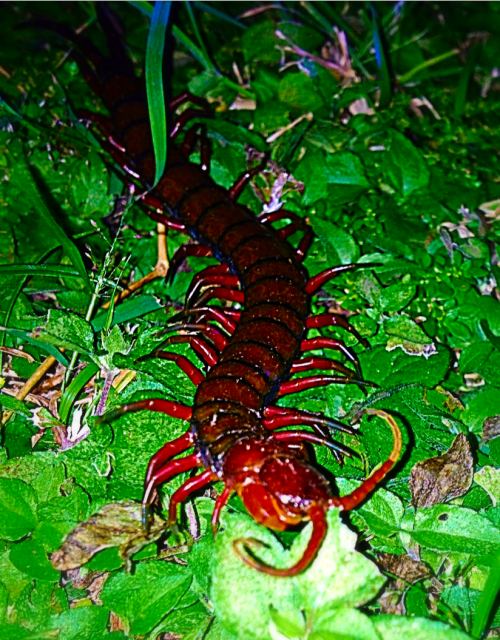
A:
407, 335
339, 576
397, 627
154, 85
404, 166
17, 506
489, 478
340, 246
30, 557
448, 528
382, 513
13, 404
67, 330
82, 623
145, 597
343, 624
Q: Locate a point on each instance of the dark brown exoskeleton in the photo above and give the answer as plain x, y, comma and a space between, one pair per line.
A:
251, 353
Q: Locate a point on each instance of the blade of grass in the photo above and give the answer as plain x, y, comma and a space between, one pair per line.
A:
381, 53
194, 24
463, 82
426, 64
40, 270
72, 391
154, 85
31, 189
45, 346
487, 599
219, 14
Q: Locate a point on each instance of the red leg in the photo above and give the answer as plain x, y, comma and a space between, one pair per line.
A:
227, 280
192, 372
294, 386
318, 520
157, 214
219, 505
169, 450
207, 330
278, 417
198, 280
334, 320
185, 117
189, 141
321, 278
306, 364
187, 251
358, 495
221, 293
289, 230
329, 343
170, 408
215, 314
187, 97
300, 224
171, 469
237, 189
193, 484
205, 351
205, 150
306, 436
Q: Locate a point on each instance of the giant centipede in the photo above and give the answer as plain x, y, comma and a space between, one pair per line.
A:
251, 353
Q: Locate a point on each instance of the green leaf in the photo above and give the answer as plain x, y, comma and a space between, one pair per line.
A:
406, 334
82, 623
339, 576
144, 598
13, 404
30, 189
397, 627
448, 528
39, 270
67, 330
340, 246
404, 166
343, 624
128, 310
489, 478
17, 506
396, 297
383, 513
154, 85
40, 344
29, 556
71, 392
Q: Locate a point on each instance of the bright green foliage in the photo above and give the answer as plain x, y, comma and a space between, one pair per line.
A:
386, 120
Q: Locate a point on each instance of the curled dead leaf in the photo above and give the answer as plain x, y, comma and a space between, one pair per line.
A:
118, 524
436, 480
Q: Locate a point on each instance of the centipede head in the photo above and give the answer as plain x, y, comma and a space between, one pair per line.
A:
279, 489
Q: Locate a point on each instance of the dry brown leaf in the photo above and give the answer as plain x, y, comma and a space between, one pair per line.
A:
404, 567
436, 480
491, 428
118, 524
